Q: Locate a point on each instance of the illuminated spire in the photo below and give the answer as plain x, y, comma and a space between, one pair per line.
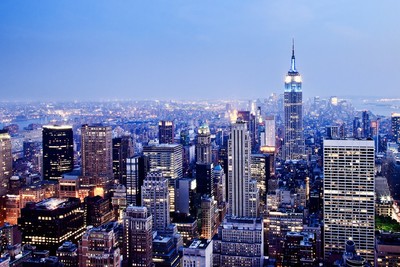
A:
293, 63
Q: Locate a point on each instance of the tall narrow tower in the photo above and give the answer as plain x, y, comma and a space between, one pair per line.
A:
240, 195
293, 105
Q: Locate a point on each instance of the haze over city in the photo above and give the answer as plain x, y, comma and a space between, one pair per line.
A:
101, 50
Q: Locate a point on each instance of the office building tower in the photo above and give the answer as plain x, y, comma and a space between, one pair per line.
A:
268, 144
51, 222
185, 193
219, 185
155, 198
357, 129
203, 146
99, 247
166, 158
293, 111
239, 176
137, 168
58, 151
138, 238
165, 253
279, 223
205, 178
366, 125
5, 161
396, 127
208, 217
96, 150
166, 132
260, 171
122, 150
119, 202
250, 119
349, 196
240, 242
198, 254
97, 211
299, 249
67, 254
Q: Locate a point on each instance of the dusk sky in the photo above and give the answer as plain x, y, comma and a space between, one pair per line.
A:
99, 50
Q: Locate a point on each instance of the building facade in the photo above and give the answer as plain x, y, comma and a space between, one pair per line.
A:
58, 151
349, 196
293, 110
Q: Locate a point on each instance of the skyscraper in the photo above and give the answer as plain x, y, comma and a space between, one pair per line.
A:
396, 127
97, 153
99, 247
137, 237
293, 108
166, 132
349, 190
58, 151
5, 161
166, 158
203, 146
156, 199
241, 204
137, 168
122, 149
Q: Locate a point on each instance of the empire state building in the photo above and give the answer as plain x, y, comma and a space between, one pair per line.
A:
293, 104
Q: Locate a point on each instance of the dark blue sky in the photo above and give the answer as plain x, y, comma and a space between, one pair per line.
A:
58, 50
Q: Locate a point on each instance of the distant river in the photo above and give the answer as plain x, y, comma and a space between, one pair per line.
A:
22, 123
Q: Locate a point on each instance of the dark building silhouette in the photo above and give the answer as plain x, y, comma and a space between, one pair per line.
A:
51, 222
166, 131
58, 151
137, 168
122, 149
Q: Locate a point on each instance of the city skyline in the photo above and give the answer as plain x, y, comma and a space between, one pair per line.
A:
188, 50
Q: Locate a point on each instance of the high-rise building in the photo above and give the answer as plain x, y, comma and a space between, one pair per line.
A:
208, 217
269, 141
240, 242
58, 151
366, 125
166, 158
293, 108
97, 211
96, 150
261, 173
185, 193
198, 254
205, 178
138, 237
250, 119
349, 196
99, 247
396, 127
5, 161
122, 150
241, 203
203, 146
166, 132
136, 171
51, 222
155, 198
